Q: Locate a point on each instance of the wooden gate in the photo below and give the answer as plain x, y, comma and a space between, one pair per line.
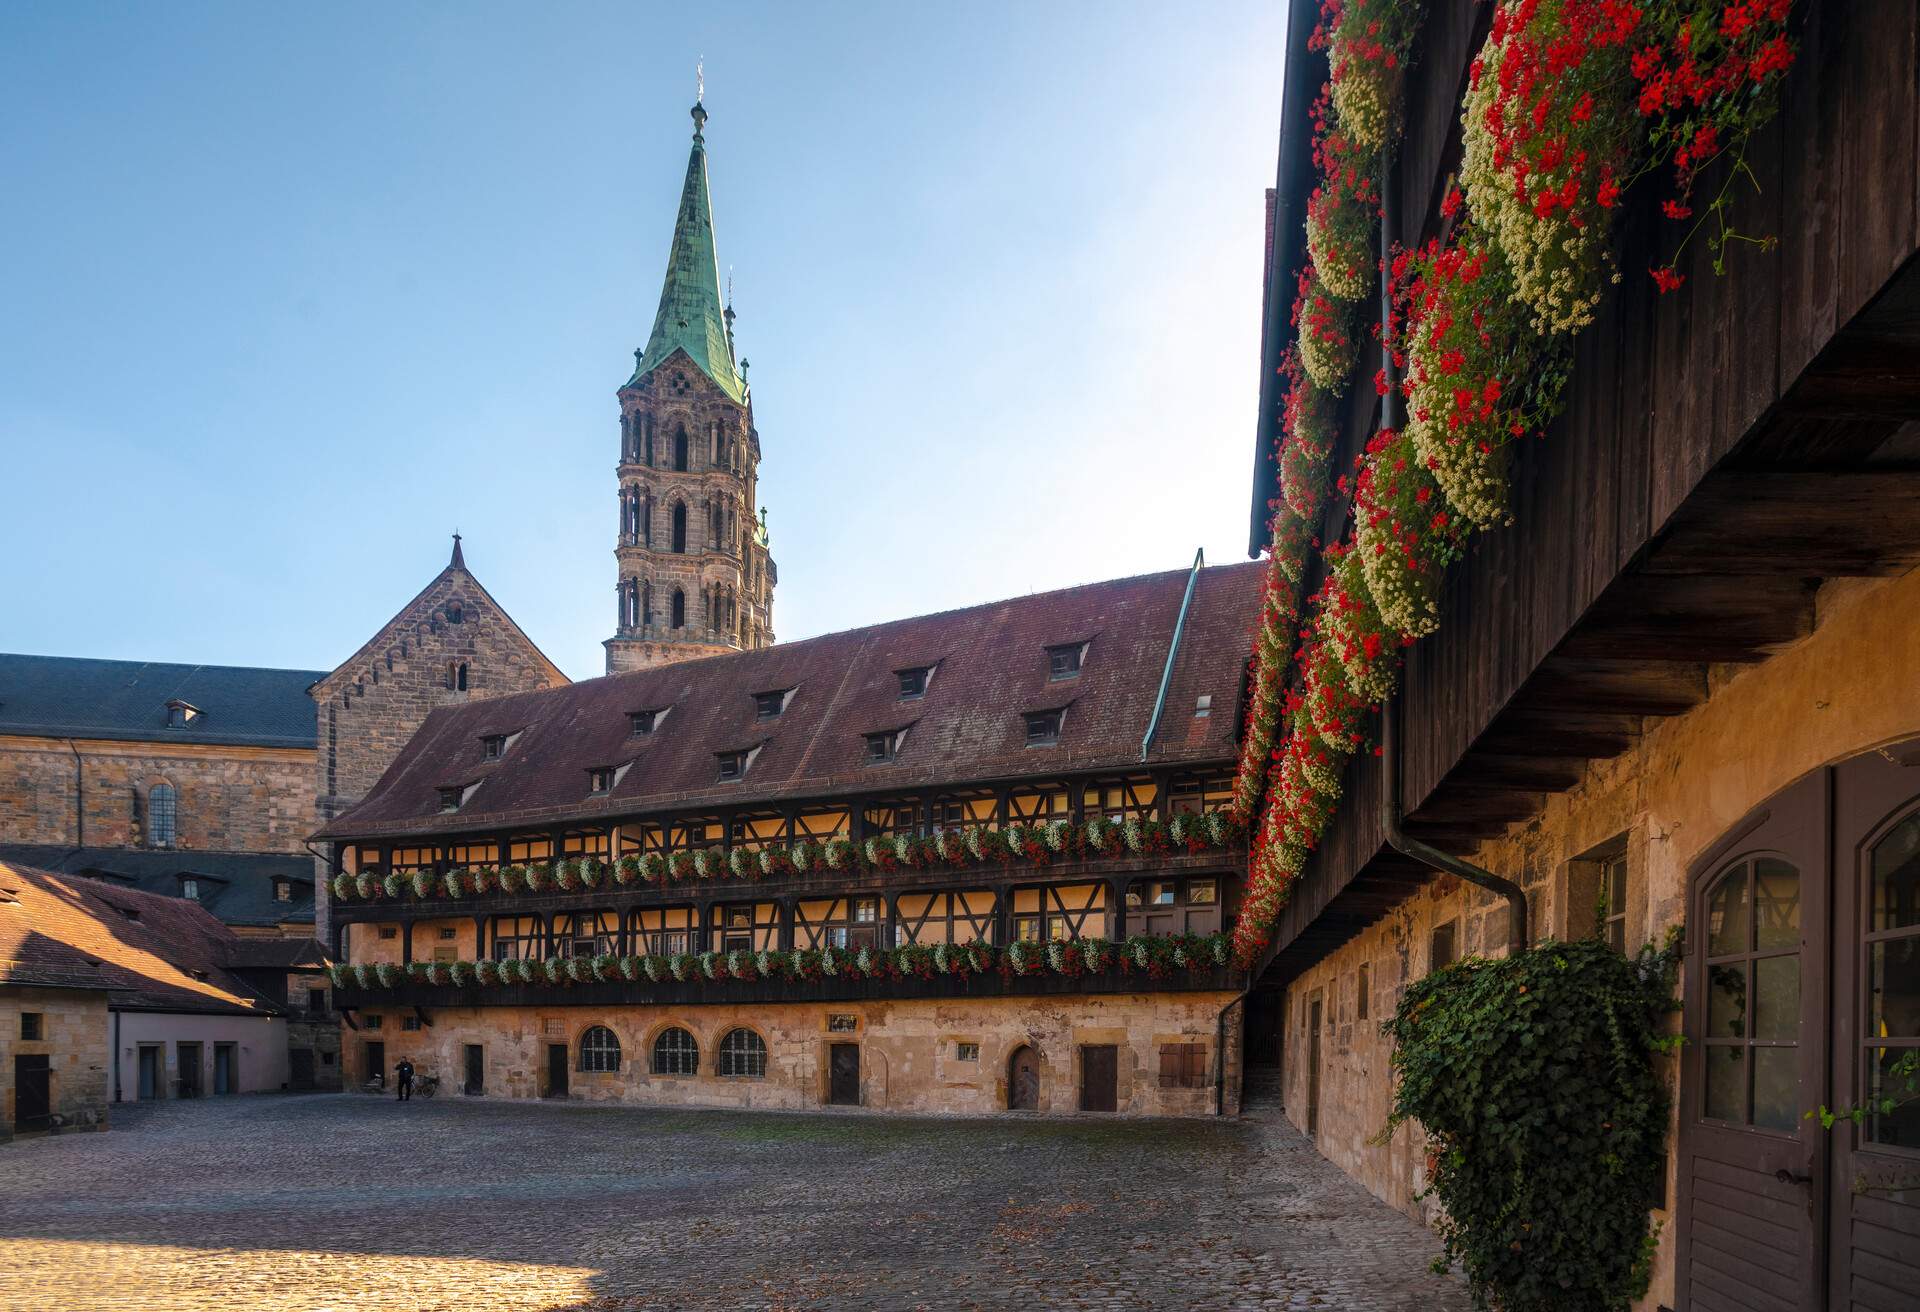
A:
476, 1070
1803, 992
32, 1091
843, 1075
1099, 1077
556, 1070
1023, 1080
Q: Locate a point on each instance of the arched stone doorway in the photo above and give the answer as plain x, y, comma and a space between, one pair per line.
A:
1023, 1080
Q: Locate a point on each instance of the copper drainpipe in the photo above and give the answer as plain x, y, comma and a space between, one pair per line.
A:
1390, 802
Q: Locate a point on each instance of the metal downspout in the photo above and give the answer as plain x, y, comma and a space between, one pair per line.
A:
1173, 650
1390, 801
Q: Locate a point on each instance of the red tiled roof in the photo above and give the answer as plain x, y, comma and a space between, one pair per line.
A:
156, 953
991, 667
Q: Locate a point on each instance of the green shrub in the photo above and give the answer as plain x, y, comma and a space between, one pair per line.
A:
1533, 1078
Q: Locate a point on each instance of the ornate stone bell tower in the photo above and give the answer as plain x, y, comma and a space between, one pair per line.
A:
696, 577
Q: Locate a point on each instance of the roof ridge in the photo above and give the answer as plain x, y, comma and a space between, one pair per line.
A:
191, 666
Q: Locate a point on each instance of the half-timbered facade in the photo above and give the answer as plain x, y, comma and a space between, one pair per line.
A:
1676, 693
969, 861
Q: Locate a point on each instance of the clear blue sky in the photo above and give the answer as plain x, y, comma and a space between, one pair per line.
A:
287, 293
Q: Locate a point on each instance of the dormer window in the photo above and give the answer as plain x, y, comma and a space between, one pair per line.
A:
181, 714
913, 682
768, 705
493, 746
644, 722
1064, 662
190, 889
733, 765
600, 780
282, 890
451, 797
1043, 728
883, 747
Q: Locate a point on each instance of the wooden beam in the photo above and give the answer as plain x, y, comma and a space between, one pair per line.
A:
1804, 524
1693, 617
1622, 688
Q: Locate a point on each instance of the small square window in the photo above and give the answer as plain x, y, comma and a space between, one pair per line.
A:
1202, 892
373, 1022
913, 683
841, 1022
1043, 728
493, 746
317, 1000
1064, 662
881, 746
1441, 948
733, 765
866, 910
1613, 911
32, 1026
446, 935
553, 1027
966, 1052
767, 705
326, 1059
389, 931
282, 891
190, 888
642, 722
176, 717
600, 779
409, 1022
1203, 706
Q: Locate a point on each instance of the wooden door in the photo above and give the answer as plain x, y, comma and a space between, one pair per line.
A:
189, 1057
556, 1070
476, 1070
1313, 1068
1874, 1179
32, 1091
223, 1081
300, 1067
376, 1060
843, 1075
1099, 1077
1752, 1166
149, 1085
1023, 1080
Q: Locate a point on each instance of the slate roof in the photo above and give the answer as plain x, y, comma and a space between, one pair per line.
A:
990, 668
79, 697
236, 887
155, 953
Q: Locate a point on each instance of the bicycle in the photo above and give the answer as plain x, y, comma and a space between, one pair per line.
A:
426, 1086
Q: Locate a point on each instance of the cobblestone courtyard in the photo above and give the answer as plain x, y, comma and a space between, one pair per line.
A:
339, 1202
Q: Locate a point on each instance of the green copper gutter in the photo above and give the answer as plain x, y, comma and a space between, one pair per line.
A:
1173, 649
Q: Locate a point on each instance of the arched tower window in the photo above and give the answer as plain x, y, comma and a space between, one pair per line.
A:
714, 522
162, 815
680, 525
679, 609
626, 437
646, 519
646, 440
646, 603
680, 448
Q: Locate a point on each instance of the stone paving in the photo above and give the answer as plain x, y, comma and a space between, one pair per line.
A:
350, 1202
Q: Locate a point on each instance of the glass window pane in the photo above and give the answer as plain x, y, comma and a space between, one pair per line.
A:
1776, 1088
1896, 876
1776, 997
1727, 1001
1776, 904
1200, 891
1727, 914
1893, 999
1893, 1077
1727, 1084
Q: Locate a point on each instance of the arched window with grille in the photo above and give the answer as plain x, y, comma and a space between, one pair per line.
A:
680, 449
743, 1054
679, 609
679, 526
599, 1050
676, 1052
162, 815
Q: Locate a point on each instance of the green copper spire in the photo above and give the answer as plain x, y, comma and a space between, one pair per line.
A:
691, 316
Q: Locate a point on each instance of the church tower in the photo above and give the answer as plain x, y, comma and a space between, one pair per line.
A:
696, 577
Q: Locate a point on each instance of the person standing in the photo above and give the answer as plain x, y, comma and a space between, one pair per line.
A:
403, 1079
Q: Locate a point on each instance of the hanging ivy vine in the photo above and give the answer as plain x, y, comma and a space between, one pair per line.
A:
1532, 1077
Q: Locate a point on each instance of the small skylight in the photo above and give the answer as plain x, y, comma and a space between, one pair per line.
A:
1063, 662
1043, 728
913, 682
1203, 706
767, 705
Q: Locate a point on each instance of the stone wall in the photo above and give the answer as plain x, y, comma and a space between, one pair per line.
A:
910, 1054
73, 1036
371, 706
1848, 687
227, 799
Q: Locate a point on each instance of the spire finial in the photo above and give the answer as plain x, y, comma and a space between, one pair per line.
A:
459, 561
700, 80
